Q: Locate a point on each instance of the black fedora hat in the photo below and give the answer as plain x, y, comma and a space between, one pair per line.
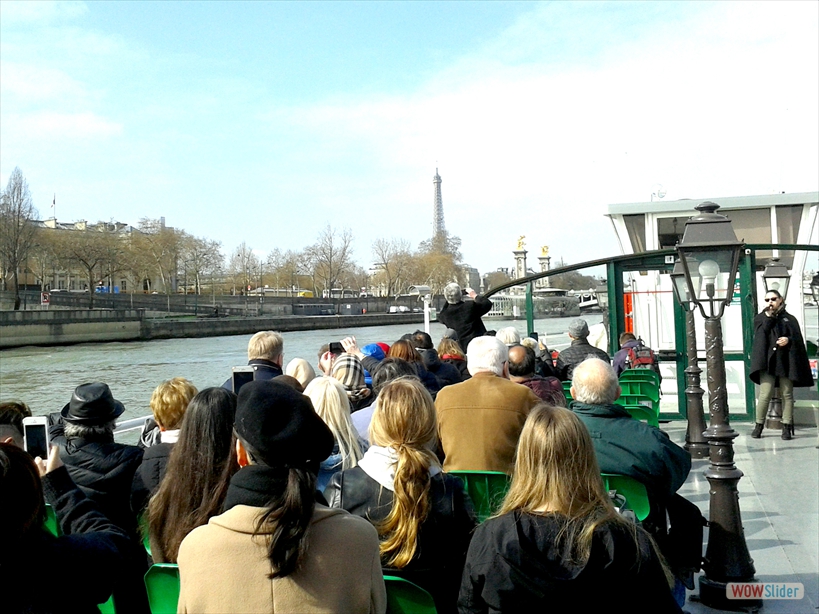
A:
92, 405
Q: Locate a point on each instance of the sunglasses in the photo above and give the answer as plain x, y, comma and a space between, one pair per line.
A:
773, 299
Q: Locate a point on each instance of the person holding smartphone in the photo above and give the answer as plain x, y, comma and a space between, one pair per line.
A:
777, 354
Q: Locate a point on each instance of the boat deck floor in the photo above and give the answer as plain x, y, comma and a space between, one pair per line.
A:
779, 503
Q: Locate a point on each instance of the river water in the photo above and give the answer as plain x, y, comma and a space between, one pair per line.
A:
44, 377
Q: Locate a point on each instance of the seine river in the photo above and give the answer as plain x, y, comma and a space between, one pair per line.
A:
44, 377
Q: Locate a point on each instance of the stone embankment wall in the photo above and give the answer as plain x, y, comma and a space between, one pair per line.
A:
20, 328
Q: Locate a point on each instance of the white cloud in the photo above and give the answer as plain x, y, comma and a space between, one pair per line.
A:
27, 12
51, 126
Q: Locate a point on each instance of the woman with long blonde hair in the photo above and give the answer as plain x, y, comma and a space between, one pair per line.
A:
557, 542
333, 406
423, 516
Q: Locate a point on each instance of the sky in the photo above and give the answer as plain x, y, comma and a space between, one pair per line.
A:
265, 122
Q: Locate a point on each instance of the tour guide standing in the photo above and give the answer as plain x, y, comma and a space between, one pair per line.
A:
778, 352
464, 317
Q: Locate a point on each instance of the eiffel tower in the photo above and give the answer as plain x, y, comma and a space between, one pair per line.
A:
438, 208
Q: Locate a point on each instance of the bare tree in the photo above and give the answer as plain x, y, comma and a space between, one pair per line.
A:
200, 256
330, 256
87, 248
17, 214
164, 245
244, 266
393, 262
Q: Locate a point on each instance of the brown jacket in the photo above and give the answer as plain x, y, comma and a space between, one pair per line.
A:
480, 420
224, 569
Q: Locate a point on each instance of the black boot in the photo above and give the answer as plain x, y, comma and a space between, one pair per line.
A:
757, 432
787, 431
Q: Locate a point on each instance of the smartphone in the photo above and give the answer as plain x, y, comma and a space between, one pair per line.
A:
35, 436
336, 348
241, 376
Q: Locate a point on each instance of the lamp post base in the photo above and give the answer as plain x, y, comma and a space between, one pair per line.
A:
714, 595
697, 450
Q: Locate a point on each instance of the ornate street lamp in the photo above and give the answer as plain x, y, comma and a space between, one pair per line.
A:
709, 254
776, 277
695, 441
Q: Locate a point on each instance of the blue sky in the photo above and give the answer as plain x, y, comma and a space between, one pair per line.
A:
264, 122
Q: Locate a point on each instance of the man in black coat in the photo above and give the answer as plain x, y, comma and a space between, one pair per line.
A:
579, 350
778, 354
446, 373
464, 317
265, 353
104, 470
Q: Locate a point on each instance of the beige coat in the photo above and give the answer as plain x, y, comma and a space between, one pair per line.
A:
480, 420
224, 569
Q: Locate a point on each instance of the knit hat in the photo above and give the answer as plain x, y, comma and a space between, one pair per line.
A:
92, 405
347, 369
280, 426
301, 370
578, 328
384, 347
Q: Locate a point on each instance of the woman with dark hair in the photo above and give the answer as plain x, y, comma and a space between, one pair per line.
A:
274, 548
405, 350
195, 482
90, 541
778, 354
557, 543
423, 516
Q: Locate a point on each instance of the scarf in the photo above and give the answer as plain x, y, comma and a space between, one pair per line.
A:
255, 485
347, 369
379, 463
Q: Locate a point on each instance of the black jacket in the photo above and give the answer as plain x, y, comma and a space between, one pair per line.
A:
790, 361
446, 373
465, 318
577, 352
105, 472
443, 537
264, 370
149, 474
515, 564
84, 562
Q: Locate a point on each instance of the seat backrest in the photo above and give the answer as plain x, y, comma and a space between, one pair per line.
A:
643, 413
645, 388
404, 597
638, 399
635, 493
640, 375
142, 521
567, 390
486, 489
51, 525
162, 584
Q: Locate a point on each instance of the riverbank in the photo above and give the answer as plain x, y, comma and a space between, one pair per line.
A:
67, 327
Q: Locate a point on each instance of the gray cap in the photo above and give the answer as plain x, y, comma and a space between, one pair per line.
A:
578, 328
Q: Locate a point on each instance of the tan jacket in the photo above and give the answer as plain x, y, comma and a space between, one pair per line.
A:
480, 420
224, 569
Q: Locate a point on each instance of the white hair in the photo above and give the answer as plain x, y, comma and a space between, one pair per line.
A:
486, 354
452, 293
595, 382
508, 335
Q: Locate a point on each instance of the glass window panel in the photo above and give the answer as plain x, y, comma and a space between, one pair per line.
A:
670, 231
636, 227
752, 226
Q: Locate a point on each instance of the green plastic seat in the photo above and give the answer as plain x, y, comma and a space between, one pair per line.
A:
486, 489
51, 525
404, 597
639, 399
143, 531
649, 390
107, 607
643, 413
162, 584
567, 390
635, 493
640, 375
